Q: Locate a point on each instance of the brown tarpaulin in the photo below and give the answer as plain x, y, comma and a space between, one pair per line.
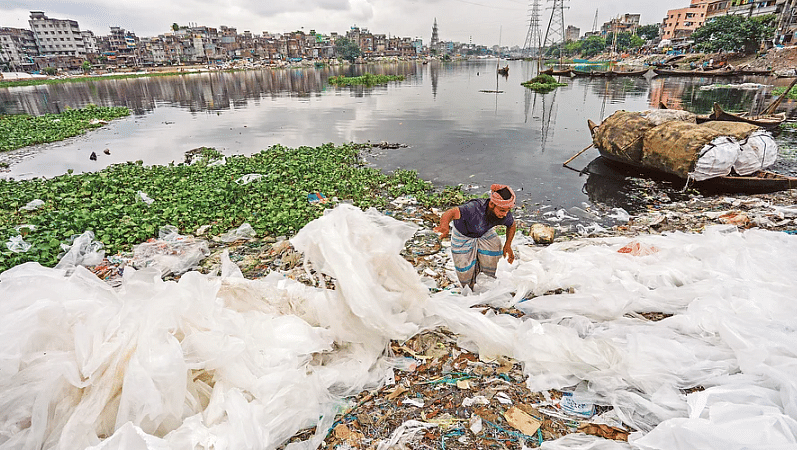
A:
674, 147
621, 135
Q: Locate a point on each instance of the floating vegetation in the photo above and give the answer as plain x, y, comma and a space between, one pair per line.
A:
781, 89
21, 130
126, 204
543, 83
367, 80
39, 81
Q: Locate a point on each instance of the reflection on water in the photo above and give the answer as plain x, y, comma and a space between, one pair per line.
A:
456, 132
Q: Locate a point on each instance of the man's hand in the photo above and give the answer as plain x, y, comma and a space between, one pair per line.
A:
443, 230
509, 254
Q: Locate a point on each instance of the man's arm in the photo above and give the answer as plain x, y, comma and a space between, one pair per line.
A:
510, 234
445, 221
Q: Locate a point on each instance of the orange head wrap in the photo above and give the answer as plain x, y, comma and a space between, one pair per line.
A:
499, 201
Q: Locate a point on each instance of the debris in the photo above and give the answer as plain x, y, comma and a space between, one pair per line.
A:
521, 421
17, 245
604, 431
107, 151
316, 197
32, 205
637, 249
542, 234
93, 156
145, 198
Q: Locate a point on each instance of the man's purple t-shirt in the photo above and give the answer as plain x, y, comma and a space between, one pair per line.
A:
473, 221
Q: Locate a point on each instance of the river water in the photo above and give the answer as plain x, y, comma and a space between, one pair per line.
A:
461, 123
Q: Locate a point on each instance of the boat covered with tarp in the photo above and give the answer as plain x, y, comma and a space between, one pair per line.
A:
673, 143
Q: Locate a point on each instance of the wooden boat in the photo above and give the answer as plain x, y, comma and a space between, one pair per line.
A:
768, 122
674, 72
503, 70
557, 72
592, 73
631, 73
695, 73
764, 72
762, 181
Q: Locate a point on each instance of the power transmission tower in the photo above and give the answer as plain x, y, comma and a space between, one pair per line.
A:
555, 34
531, 49
595, 22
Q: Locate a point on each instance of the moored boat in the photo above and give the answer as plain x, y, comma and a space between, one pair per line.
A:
768, 122
631, 73
718, 155
557, 72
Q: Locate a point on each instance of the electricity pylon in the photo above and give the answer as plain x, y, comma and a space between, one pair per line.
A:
531, 49
555, 34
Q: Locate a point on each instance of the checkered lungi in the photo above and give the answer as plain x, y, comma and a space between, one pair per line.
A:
475, 255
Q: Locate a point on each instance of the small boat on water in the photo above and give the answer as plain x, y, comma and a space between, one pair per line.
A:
557, 72
695, 73
592, 73
631, 73
769, 122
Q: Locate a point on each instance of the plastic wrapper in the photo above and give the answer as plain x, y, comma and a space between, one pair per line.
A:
17, 244
229, 363
245, 232
33, 205
83, 251
171, 252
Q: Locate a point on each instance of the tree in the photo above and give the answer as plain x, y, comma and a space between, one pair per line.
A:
573, 47
648, 32
49, 70
175, 27
86, 66
625, 40
347, 49
733, 33
592, 46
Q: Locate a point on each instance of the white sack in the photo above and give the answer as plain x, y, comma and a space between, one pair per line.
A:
757, 152
716, 158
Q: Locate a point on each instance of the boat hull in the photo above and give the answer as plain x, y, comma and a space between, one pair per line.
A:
761, 182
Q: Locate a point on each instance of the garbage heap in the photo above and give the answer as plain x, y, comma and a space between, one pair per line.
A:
671, 141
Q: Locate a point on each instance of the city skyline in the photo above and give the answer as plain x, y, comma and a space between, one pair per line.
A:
480, 21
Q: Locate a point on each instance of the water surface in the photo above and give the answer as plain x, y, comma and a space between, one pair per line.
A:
462, 123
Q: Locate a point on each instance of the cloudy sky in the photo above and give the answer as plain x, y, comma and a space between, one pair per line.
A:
479, 21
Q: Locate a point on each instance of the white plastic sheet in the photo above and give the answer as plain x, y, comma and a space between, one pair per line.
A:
229, 363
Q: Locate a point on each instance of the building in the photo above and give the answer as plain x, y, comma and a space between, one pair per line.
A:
17, 49
681, 23
56, 37
625, 23
572, 33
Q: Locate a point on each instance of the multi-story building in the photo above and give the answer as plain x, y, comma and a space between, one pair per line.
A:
681, 23
17, 49
626, 22
572, 33
55, 36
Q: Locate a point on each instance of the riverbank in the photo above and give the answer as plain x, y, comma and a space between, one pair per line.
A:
460, 391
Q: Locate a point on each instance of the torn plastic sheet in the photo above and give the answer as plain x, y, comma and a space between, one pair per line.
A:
230, 363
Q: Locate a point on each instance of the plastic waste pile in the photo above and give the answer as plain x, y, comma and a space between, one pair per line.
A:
223, 362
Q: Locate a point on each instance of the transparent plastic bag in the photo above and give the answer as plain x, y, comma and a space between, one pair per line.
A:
245, 231
83, 251
171, 252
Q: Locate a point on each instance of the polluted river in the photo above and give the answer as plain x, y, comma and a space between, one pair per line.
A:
657, 318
